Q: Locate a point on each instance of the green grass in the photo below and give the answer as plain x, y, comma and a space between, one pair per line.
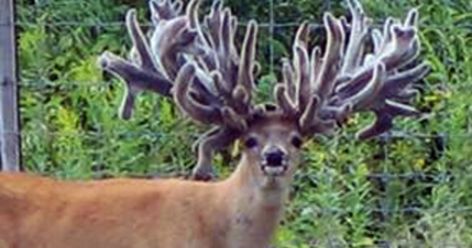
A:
407, 192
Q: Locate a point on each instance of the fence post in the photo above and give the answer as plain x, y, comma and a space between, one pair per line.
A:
9, 117
271, 35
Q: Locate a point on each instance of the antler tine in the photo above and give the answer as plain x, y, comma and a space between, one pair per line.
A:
326, 69
377, 40
288, 78
315, 63
294, 94
359, 32
302, 66
284, 101
139, 42
246, 84
164, 9
331, 61
138, 75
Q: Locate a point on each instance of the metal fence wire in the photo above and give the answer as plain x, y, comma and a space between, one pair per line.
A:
37, 84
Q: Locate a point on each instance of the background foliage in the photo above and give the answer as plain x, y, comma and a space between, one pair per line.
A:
414, 190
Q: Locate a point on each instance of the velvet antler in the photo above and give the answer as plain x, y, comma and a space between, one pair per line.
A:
324, 91
197, 64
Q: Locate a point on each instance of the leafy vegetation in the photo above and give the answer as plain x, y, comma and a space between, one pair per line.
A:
414, 190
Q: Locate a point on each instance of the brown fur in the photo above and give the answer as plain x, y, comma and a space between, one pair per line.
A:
241, 211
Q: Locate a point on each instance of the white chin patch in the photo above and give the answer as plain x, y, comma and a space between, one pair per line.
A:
274, 170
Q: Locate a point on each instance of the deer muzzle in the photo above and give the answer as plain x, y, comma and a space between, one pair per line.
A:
274, 161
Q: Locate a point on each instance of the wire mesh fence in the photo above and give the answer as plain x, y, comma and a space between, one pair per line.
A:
440, 139
33, 84
30, 83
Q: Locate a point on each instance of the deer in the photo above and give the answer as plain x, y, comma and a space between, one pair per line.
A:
199, 66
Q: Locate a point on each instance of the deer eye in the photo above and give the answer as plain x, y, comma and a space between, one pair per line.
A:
250, 142
297, 141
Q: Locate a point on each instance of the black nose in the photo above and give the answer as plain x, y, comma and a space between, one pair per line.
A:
274, 158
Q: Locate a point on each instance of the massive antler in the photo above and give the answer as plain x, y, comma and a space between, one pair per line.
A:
196, 64
324, 91
199, 65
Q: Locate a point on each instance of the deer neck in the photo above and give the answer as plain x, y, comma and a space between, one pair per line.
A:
248, 185
254, 212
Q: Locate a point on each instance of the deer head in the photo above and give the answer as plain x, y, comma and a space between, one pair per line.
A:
199, 65
270, 153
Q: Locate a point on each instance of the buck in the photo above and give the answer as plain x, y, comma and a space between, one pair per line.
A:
199, 65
